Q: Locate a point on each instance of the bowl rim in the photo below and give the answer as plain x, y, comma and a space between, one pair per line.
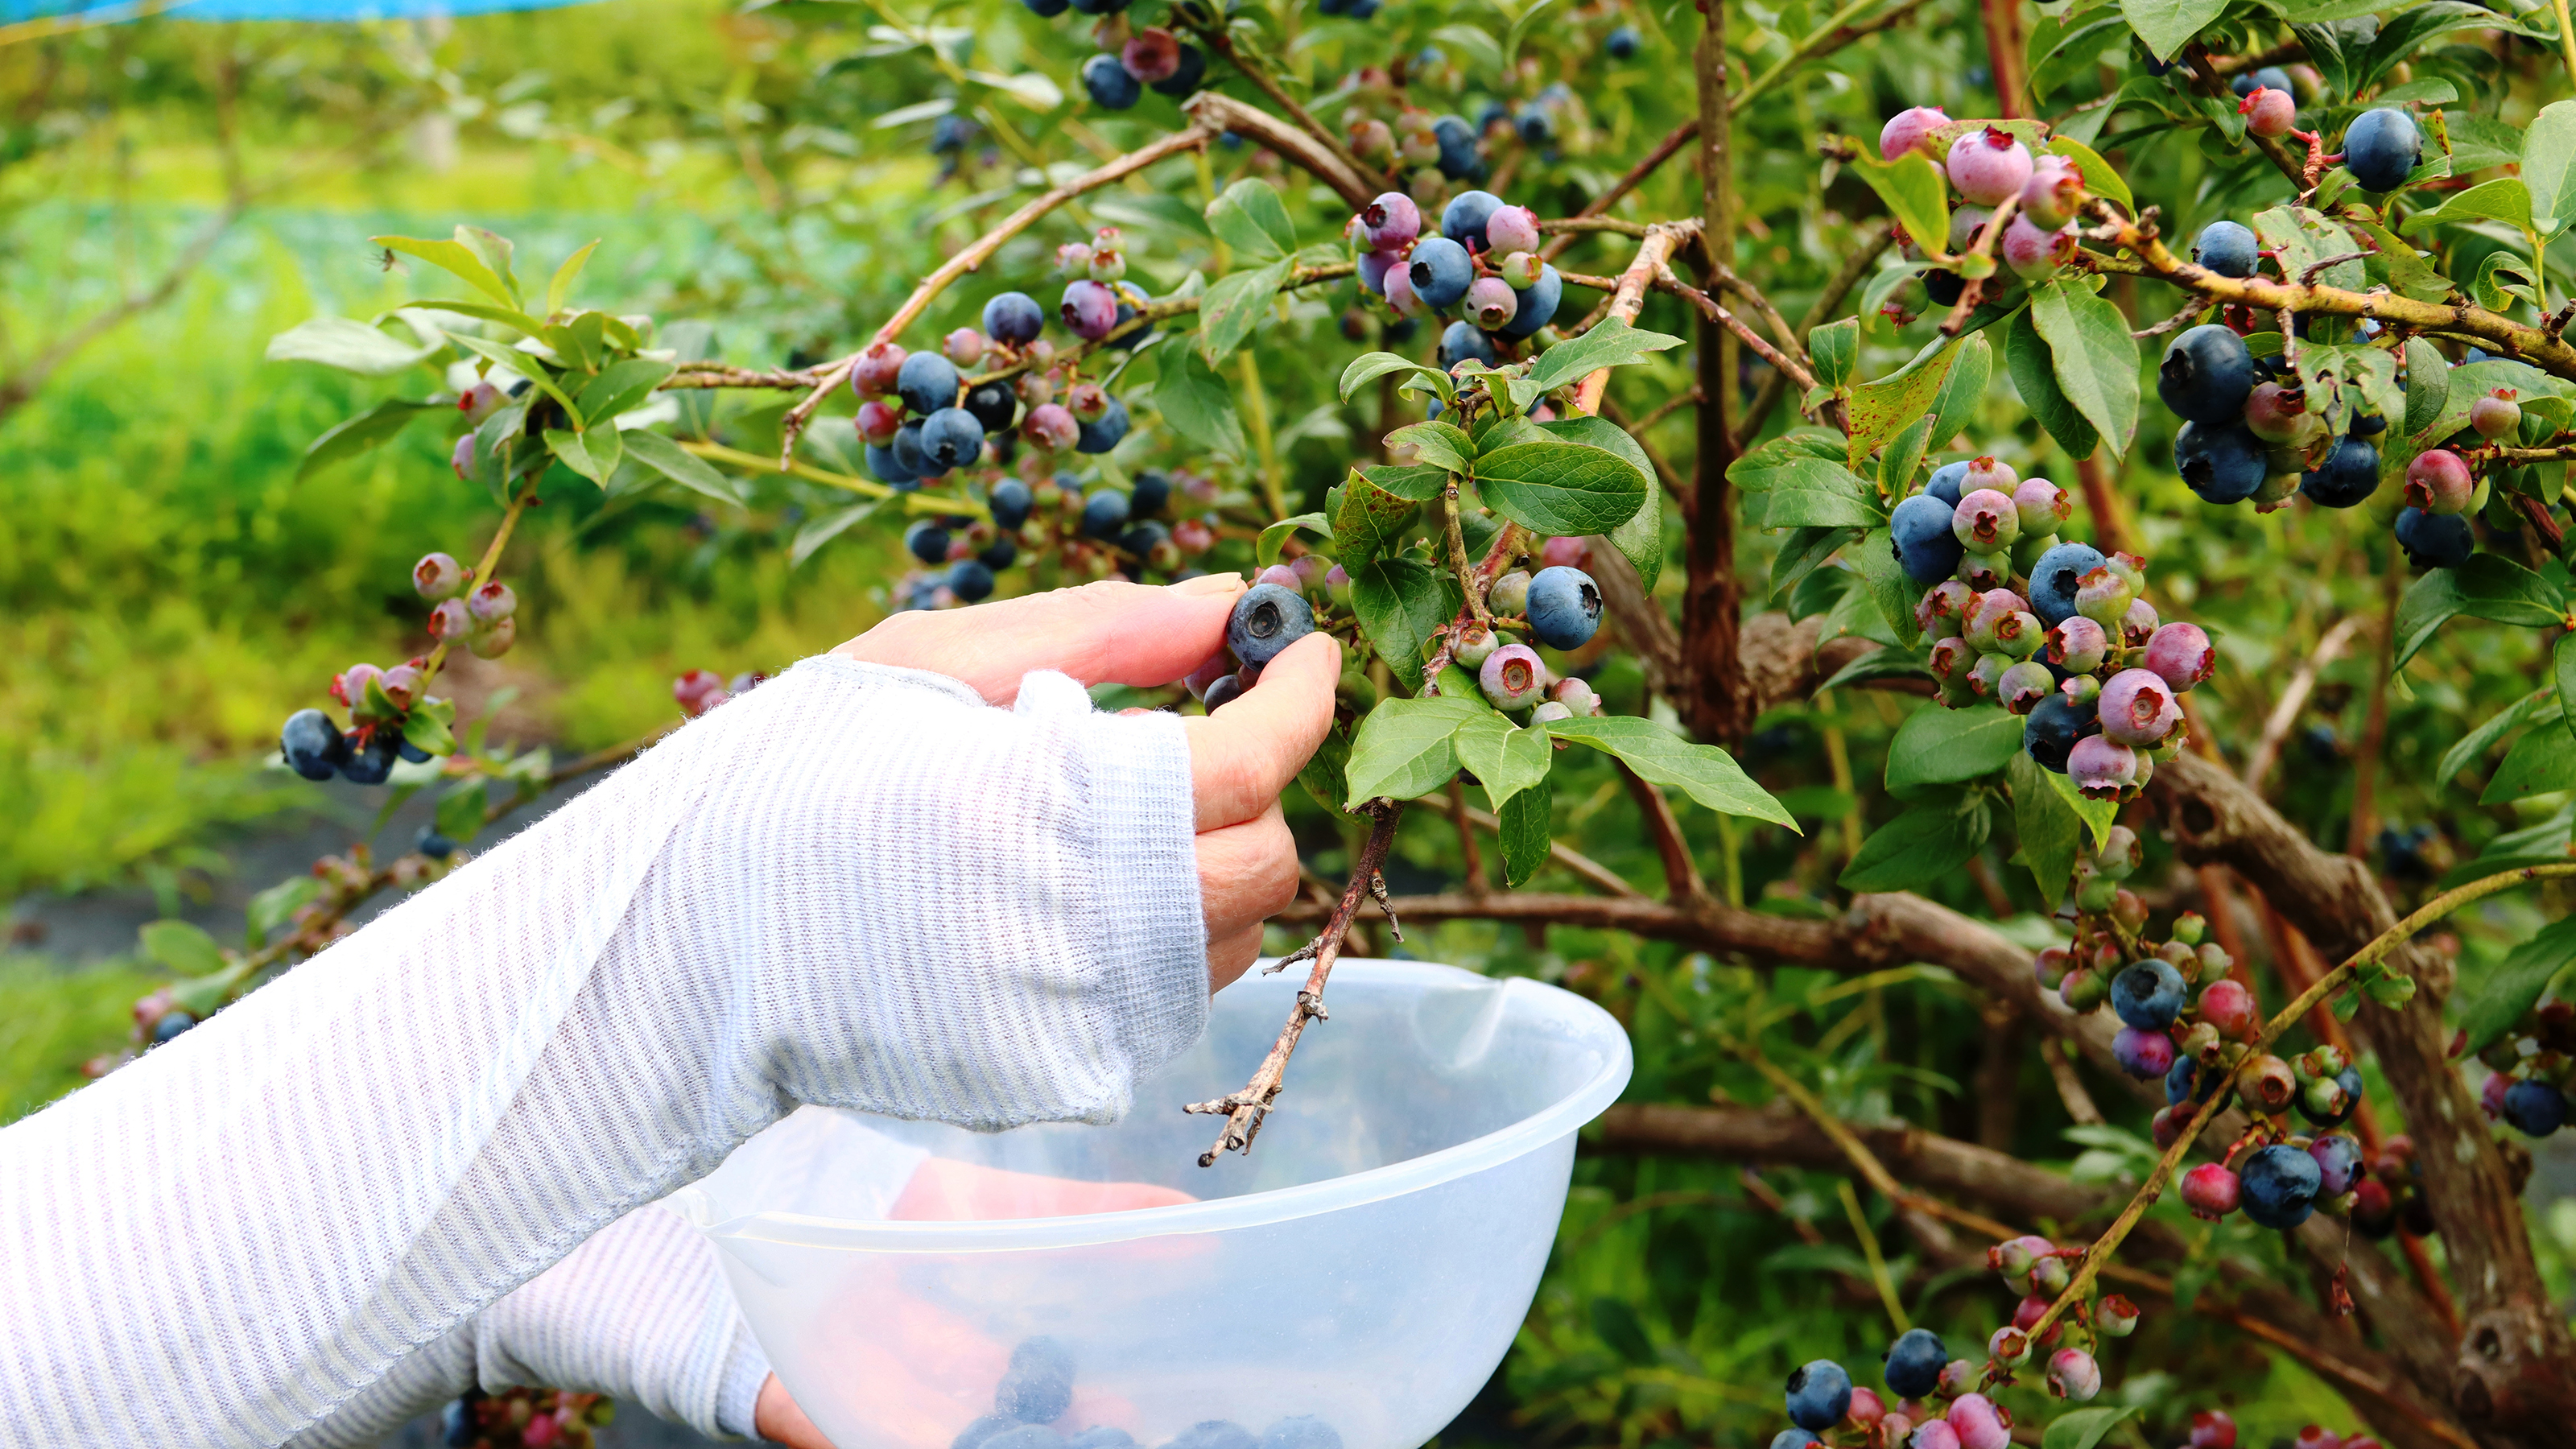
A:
1558, 1120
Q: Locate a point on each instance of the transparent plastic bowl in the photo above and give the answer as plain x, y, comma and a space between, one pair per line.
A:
1368, 1265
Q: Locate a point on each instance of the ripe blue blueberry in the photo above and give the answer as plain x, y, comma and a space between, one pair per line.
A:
927, 541
2339, 1163
1010, 502
1305, 1431
2150, 994
1038, 1387
1458, 159
1794, 1438
1015, 318
2049, 735
1045, 10
2383, 148
2055, 578
1143, 538
1460, 341
2182, 1081
1463, 219
1440, 271
456, 1426
1267, 619
2270, 77
1533, 125
1104, 514
951, 438
1152, 493
2277, 1186
372, 762
2206, 375
174, 1022
1186, 75
886, 463
1000, 554
971, 579
2223, 463
312, 744
1103, 434
1926, 548
2532, 1107
1623, 43
2227, 248
1914, 1363
927, 382
992, 405
1128, 340
2435, 540
1214, 1434
1109, 84
2350, 474
2140, 1053
1538, 303
1222, 691
1564, 607
1948, 482
1819, 1394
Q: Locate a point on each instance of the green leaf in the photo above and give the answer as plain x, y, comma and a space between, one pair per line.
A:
2081, 1428
1610, 343
692, 472
2498, 1000
2034, 377
1915, 196
2099, 178
351, 346
367, 431
559, 290
2051, 833
184, 949
456, 257
2504, 199
1640, 540
1801, 553
1438, 444
2168, 25
1234, 304
2537, 705
2057, 58
1874, 559
2489, 586
1706, 773
510, 317
1878, 409
275, 907
1963, 391
522, 363
2549, 162
1406, 747
1618, 1326
496, 251
461, 811
1419, 483
1194, 400
1905, 454
2403, 33
1478, 52
1368, 521
1922, 845
1249, 218
2428, 383
1493, 434
1326, 776
1876, 664
1524, 833
2563, 675
594, 455
2092, 355
1401, 603
1942, 746
1265, 549
1506, 760
622, 388
1836, 350
2540, 763
818, 530
430, 727
1559, 487
1370, 366
1519, 27
1813, 494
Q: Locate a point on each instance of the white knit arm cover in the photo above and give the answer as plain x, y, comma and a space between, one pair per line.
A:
853, 886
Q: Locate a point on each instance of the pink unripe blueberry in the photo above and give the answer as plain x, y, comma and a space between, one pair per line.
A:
1472, 644
1989, 472
2229, 1005
402, 685
2137, 708
2073, 1375
2043, 506
2051, 965
2213, 1429
1089, 309
1986, 676
1952, 658
494, 640
2023, 686
2496, 416
2181, 655
2015, 1258
2008, 1346
1491, 303
1958, 1376
2439, 481
1946, 602
2054, 193
2316, 1437
1337, 580
1966, 225
965, 346
2116, 1316
1979, 1423
879, 422
450, 621
2138, 623
1511, 229
2077, 644
2103, 597
461, 457
1152, 55
438, 576
1051, 425
1401, 296
1986, 520
2269, 112
1087, 401
2210, 1190
1512, 676
492, 603
1073, 259
874, 373
1391, 221
2278, 413
1867, 1408
1280, 574
1935, 1434
1989, 165
480, 401
2028, 1313
1566, 550
1193, 536
350, 687
1108, 263
1987, 614
2101, 767
1908, 130
2033, 252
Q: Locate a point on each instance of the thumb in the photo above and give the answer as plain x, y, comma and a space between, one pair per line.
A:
1243, 755
1110, 632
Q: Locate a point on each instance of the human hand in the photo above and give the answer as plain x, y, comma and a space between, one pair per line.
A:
1135, 634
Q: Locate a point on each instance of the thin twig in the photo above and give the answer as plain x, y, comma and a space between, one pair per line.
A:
1630, 297
1221, 40
1681, 873
2070, 1087
1708, 305
1562, 853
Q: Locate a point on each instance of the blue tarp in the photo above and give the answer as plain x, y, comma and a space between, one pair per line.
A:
17, 10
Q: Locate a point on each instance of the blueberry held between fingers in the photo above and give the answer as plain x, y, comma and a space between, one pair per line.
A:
1266, 620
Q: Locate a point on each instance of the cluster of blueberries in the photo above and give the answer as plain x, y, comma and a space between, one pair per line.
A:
1987, 166
1053, 515
2051, 630
524, 1419
2533, 1065
1036, 1392
1939, 1400
1560, 607
1484, 262
379, 701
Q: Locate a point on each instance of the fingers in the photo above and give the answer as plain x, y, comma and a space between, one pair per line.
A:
1243, 755
1101, 633
776, 1418
1247, 874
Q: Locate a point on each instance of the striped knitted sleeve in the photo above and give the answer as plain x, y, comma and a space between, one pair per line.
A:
854, 886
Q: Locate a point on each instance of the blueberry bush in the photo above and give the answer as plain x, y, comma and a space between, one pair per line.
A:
1655, 402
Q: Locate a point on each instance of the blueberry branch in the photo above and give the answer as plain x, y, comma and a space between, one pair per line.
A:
1709, 306
1358, 192
1245, 1110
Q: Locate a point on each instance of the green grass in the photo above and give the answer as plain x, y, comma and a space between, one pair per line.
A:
52, 1020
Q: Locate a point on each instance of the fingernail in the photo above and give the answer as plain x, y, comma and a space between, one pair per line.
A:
1210, 584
